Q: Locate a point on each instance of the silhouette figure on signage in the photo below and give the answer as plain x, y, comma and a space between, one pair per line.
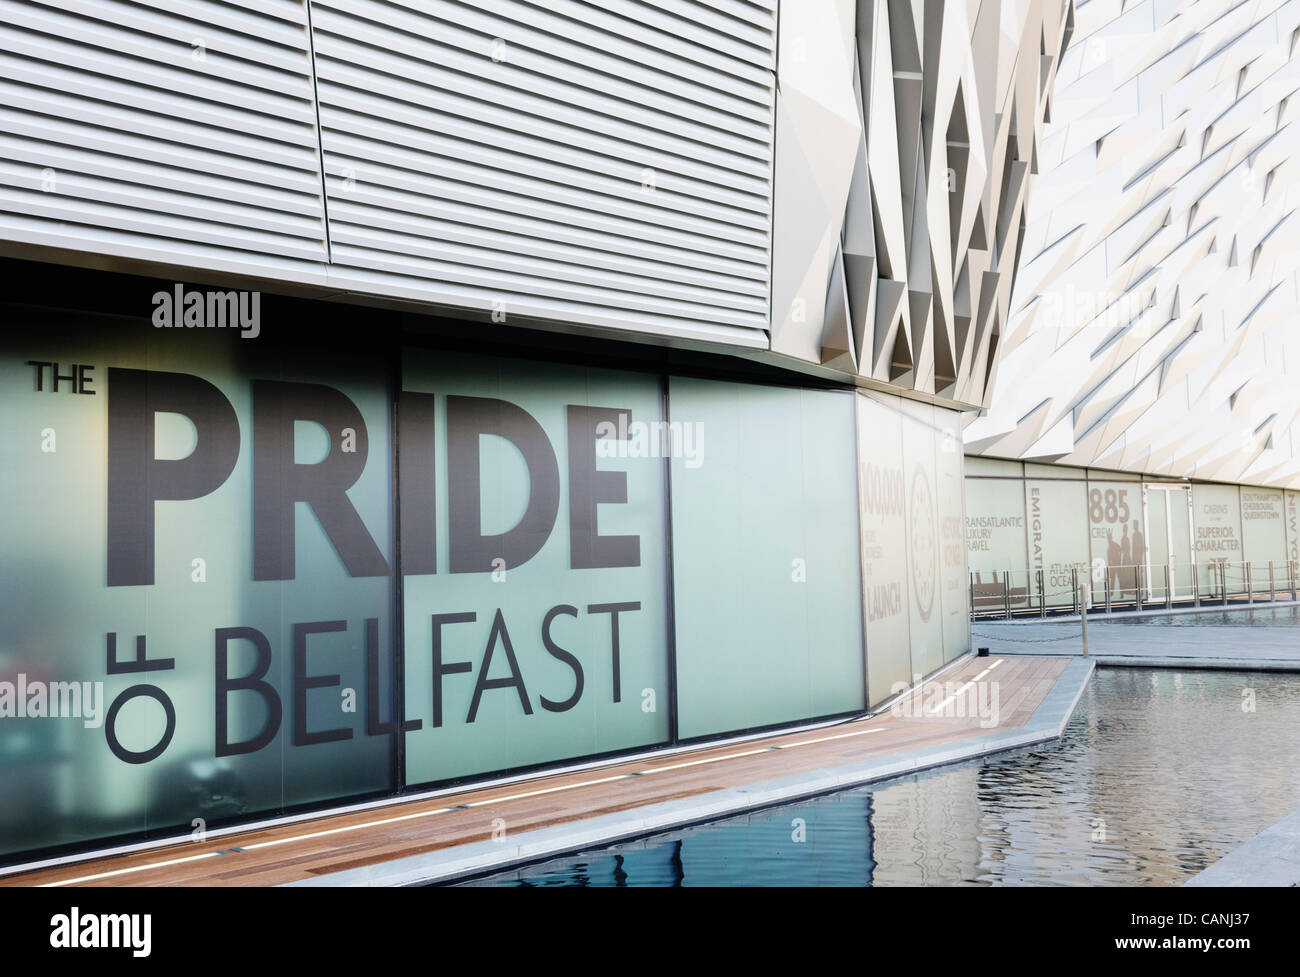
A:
1127, 561
1114, 559
1139, 549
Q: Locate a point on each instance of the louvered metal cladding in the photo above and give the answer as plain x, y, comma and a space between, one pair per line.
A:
605, 163
168, 131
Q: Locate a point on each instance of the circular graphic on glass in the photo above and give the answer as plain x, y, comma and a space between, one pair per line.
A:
924, 545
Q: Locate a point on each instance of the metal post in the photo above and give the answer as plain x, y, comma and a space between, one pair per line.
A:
1042, 597
1272, 590
1108, 575
1223, 581
1083, 618
1006, 592
1196, 584
1074, 587
1169, 596
1250, 584
972, 593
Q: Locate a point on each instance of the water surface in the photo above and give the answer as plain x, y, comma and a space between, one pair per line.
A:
1159, 774
1257, 617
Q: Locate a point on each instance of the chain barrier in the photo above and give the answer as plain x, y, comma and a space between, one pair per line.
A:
1032, 641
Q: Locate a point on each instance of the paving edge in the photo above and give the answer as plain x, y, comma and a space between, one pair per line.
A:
1047, 723
1271, 858
1188, 662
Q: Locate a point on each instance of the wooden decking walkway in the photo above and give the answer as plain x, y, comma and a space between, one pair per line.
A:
335, 843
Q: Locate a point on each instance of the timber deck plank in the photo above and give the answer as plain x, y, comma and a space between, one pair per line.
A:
333, 843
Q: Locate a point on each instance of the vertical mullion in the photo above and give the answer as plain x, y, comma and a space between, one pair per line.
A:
671, 605
399, 590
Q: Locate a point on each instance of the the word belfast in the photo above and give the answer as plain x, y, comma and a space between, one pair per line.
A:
137, 479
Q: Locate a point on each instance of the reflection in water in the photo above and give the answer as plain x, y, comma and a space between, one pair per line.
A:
1159, 775
1275, 617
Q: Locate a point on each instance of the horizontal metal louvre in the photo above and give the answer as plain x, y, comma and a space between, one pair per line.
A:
601, 163
181, 132
595, 162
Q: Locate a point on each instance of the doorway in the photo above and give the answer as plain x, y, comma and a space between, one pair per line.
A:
1167, 517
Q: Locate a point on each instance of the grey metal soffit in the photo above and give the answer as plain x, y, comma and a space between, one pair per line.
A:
605, 163
907, 134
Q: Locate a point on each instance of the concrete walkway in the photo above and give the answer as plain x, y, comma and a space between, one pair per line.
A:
1271, 858
1149, 645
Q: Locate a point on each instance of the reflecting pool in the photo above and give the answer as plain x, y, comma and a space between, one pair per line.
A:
1159, 774
1255, 617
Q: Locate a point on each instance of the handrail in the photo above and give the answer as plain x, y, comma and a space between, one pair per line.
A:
1040, 590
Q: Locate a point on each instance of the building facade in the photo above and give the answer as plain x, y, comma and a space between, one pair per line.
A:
1141, 427
1038, 534
398, 394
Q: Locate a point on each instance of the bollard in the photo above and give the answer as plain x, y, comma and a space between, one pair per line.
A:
1169, 596
1083, 618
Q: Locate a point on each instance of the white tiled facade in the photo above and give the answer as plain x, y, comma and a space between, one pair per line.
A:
1153, 320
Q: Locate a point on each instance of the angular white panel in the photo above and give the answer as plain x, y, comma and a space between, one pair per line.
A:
906, 133
1152, 325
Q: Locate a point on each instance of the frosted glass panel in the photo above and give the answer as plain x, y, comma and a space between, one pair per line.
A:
203, 554
1118, 540
995, 543
1217, 518
923, 551
536, 629
1263, 534
765, 557
1056, 512
886, 594
954, 580
1158, 555
1293, 528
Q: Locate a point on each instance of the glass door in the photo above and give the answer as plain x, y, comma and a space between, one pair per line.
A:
1168, 542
